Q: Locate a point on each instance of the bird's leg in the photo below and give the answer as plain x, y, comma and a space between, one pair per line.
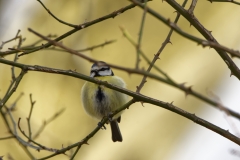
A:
110, 116
101, 124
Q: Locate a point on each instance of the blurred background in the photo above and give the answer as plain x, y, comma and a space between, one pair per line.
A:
149, 132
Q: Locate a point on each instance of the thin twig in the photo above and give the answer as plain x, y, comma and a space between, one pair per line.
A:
231, 1
187, 90
140, 35
136, 96
85, 49
16, 55
181, 86
40, 146
59, 20
81, 26
37, 42
156, 56
192, 6
29, 117
12, 133
211, 41
89, 136
6, 138
45, 123
14, 104
16, 83
10, 40
207, 34
32, 46
24, 48
16, 133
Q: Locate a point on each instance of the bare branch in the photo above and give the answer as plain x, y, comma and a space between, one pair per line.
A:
10, 40
231, 65
59, 20
192, 6
6, 138
182, 86
140, 35
231, 1
136, 96
16, 83
85, 49
89, 136
81, 26
29, 117
156, 56
40, 146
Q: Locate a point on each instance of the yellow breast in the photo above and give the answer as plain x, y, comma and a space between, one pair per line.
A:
110, 99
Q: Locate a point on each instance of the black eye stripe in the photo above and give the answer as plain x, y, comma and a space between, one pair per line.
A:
97, 72
104, 69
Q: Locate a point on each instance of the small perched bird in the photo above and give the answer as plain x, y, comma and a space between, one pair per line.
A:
99, 101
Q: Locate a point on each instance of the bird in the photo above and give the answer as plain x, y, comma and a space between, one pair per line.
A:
100, 101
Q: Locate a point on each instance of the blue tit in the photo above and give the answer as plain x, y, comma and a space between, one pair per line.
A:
99, 101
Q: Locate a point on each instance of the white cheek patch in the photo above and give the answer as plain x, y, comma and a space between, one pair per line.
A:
95, 68
105, 72
92, 74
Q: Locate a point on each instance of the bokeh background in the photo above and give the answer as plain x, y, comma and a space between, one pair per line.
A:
149, 132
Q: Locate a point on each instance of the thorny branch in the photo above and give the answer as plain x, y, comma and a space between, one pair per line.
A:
136, 96
187, 90
210, 39
230, 1
80, 27
156, 56
59, 20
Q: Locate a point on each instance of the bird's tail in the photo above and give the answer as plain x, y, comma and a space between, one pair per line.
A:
116, 134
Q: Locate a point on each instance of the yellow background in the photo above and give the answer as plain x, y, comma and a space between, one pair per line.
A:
149, 132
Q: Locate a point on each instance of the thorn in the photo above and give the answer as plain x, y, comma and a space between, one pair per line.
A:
142, 103
183, 84
168, 20
172, 103
86, 143
169, 42
189, 90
